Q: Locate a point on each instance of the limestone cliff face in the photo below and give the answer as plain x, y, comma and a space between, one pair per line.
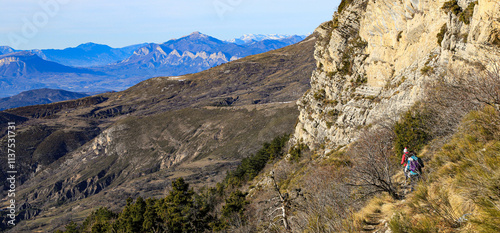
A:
376, 56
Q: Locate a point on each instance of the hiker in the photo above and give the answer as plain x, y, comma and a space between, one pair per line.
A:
404, 161
414, 168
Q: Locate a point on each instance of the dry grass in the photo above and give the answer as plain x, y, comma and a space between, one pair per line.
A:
462, 194
376, 210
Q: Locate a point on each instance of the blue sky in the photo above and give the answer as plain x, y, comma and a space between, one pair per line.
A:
42, 24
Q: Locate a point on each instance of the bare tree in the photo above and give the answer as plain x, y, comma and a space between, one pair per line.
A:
374, 163
478, 84
329, 206
483, 83
285, 203
460, 91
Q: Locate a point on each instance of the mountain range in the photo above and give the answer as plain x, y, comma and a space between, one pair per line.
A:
197, 125
96, 68
251, 38
195, 152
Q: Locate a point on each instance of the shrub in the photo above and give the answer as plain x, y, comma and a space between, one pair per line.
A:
452, 6
98, 220
440, 35
320, 95
297, 150
251, 166
426, 70
373, 166
344, 4
235, 204
466, 15
411, 130
463, 194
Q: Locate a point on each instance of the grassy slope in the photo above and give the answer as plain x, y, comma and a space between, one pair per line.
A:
462, 191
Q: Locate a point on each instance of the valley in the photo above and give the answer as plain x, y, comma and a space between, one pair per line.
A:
311, 137
125, 144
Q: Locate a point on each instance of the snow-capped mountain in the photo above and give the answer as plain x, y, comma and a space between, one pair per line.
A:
193, 53
250, 38
109, 68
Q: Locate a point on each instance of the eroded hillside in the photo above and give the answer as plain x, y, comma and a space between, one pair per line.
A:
99, 150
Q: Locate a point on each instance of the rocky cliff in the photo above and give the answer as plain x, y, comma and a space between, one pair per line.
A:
375, 58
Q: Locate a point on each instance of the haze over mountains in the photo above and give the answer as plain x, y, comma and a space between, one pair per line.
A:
96, 68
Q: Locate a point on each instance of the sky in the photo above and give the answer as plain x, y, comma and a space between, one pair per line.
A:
45, 24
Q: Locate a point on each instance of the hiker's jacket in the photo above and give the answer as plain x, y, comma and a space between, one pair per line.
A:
403, 160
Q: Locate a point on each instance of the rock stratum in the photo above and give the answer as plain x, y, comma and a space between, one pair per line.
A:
375, 58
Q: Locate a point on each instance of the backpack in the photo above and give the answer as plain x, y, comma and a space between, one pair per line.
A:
421, 163
415, 166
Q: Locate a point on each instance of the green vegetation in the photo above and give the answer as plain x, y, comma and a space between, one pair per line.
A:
235, 204
354, 46
388, 85
411, 130
464, 15
452, 6
333, 113
463, 194
297, 150
335, 22
426, 70
343, 4
440, 35
320, 95
183, 209
330, 74
460, 192
251, 166
359, 81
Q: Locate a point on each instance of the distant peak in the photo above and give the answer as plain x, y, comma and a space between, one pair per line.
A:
90, 45
20, 54
197, 34
250, 38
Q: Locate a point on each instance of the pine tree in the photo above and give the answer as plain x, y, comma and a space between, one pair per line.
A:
177, 207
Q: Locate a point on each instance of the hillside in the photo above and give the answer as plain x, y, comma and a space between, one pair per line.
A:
38, 96
24, 70
389, 75
75, 155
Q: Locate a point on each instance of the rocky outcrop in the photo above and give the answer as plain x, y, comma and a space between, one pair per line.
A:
374, 59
